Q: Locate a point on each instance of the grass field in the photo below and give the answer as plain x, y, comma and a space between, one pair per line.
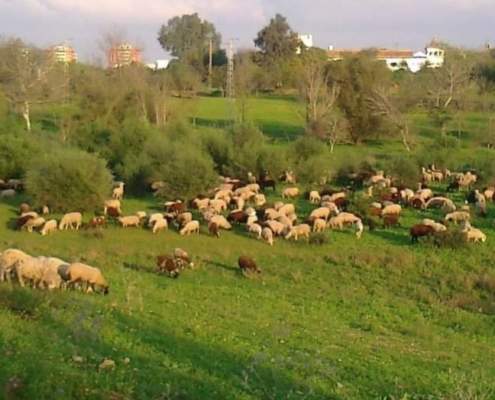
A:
369, 319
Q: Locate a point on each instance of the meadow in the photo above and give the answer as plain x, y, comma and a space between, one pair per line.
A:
376, 318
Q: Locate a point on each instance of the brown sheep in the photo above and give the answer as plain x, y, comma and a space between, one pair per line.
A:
214, 229
248, 265
167, 265
421, 230
391, 220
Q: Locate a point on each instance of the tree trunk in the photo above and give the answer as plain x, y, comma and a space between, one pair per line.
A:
27, 115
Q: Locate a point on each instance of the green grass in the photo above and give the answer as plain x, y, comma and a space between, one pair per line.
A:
370, 319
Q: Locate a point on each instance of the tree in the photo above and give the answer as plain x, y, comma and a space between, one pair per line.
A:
357, 76
27, 76
277, 40
445, 88
319, 94
244, 83
188, 38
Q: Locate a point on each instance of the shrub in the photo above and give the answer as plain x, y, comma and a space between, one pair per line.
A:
15, 154
318, 239
69, 180
453, 238
315, 169
405, 170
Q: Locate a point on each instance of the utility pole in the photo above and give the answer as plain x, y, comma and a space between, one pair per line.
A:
230, 69
210, 63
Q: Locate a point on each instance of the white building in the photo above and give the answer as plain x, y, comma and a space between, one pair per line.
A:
158, 65
307, 40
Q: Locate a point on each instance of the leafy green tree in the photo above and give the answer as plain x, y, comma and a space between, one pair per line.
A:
277, 40
188, 37
68, 180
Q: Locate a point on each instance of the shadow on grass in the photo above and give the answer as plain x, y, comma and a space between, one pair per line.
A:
220, 265
392, 236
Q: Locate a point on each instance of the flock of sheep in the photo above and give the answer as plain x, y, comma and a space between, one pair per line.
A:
236, 202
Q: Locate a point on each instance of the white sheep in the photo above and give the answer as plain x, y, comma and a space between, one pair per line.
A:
218, 205
475, 235
457, 217
190, 228
221, 222
298, 231
8, 258
392, 209
437, 227
255, 229
320, 213
259, 200
141, 214
184, 218
267, 236
112, 203
314, 197
7, 193
359, 228
271, 214
153, 218
49, 227
159, 225
341, 220
92, 277
29, 269
33, 223
276, 227
319, 225
287, 209
201, 204
130, 221
290, 193
118, 191
71, 221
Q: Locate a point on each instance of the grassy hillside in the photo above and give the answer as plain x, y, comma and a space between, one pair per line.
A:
369, 319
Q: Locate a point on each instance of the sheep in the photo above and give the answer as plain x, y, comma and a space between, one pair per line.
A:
391, 220
314, 197
33, 223
24, 208
392, 209
475, 235
342, 219
420, 230
29, 269
224, 195
252, 219
182, 258
271, 214
190, 228
97, 222
255, 229
424, 194
53, 269
167, 265
130, 221
359, 228
21, 221
251, 177
319, 225
458, 216
31, 214
218, 205
238, 203
214, 229
87, 275
113, 203
221, 222
437, 227
276, 227
153, 218
7, 193
267, 236
259, 200
71, 220
45, 210
201, 204
184, 218
118, 191
113, 212
49, 227
295, 232
159, 225
7, 261
175, 207
285, 220
141, 215
290, 193
248, 265
406, 195
287, 209
237, 217
253, 187
336, 196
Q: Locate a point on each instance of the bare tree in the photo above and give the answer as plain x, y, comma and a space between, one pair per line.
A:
27, 77
381, 103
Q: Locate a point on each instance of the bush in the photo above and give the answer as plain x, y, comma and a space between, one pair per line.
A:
15, 154
69, 180
318, 239
315, 170
405, 169
453, 238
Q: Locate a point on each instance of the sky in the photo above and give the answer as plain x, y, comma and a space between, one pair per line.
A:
341, 23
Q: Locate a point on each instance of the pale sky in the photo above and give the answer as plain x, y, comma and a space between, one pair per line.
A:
342, 23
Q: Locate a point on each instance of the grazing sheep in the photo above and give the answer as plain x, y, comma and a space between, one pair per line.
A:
237, 217
437, 227
314, 197
159, 225
420, 230
295, 232
320, 213
21, 221
255, 229
259, 200
253, 187
213, 229
201, 204
141, 215
31, 214
475, 235
33, 223
286, 221
287, 209
248, 265
424, 194
267, 236
341, 220
359, 228
319, 225
271, 214
290, 193
182, 258
224, 195
24, 208
51, 276
457, 217
406, 195
418, 203
92, 277
153, 218
167, 265
71, 220
118, 191
391, 220
29, 269
49, 227
276, 227
221, 222
184, 218
7, 193
175, 207
114, 204
190, 228
8, 259
218, 205
97, 222
130, 221
392, 209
